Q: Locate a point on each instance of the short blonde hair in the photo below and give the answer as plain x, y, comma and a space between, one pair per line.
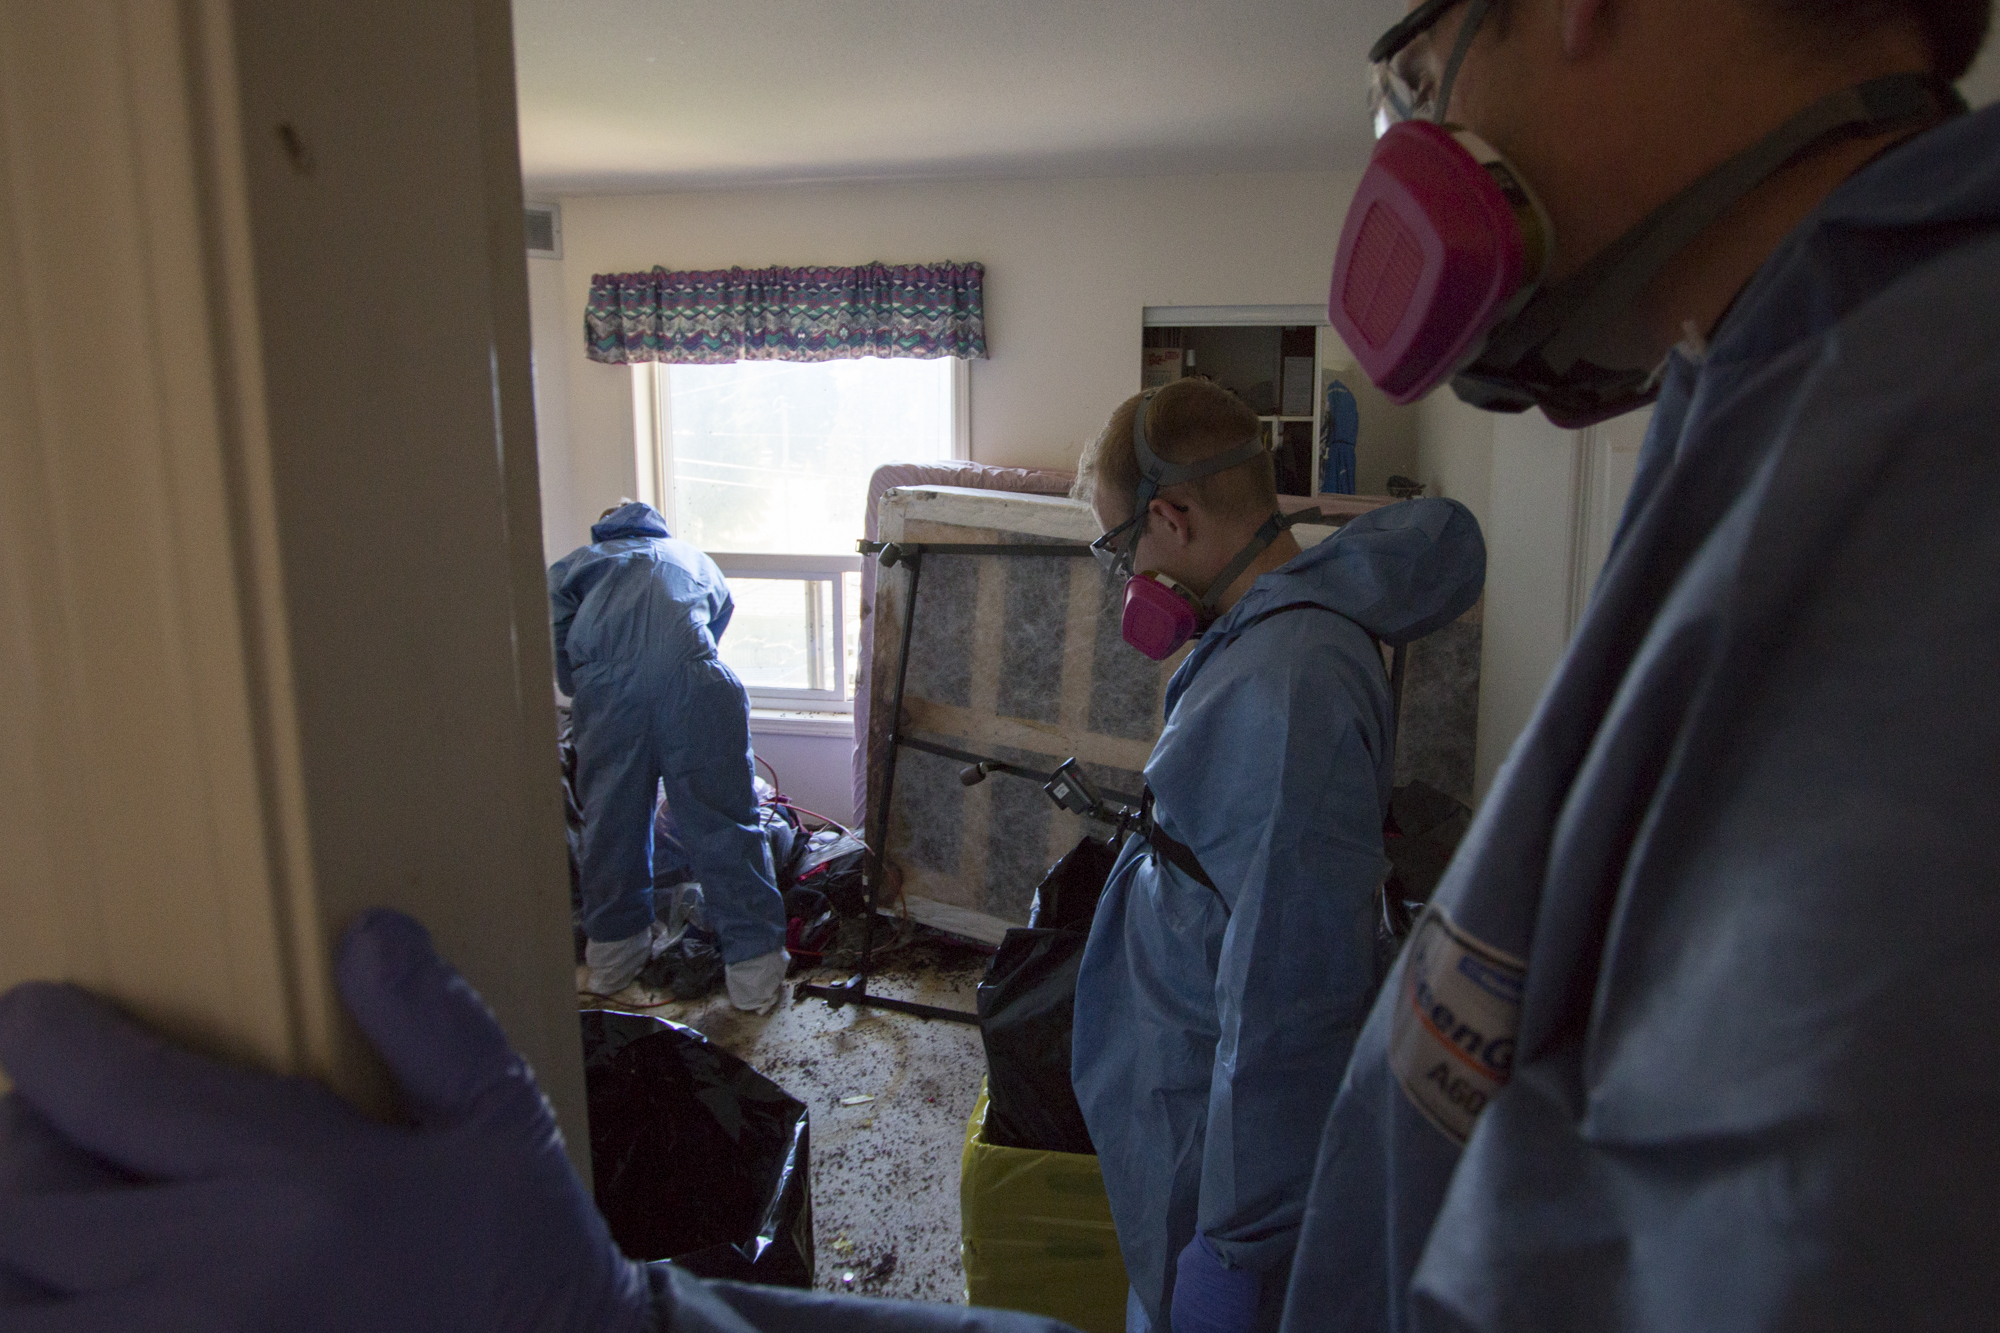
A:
1187, 420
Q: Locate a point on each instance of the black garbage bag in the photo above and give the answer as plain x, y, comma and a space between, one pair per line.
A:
1424, 828
1422, 832
833, 864
1027, 1008
690, 967
1067, 897
698, 1157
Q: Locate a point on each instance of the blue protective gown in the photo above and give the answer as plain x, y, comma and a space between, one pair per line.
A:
637, 614
1210, 1038
1720, 955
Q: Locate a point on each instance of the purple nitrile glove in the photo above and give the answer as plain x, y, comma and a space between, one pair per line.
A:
145, 1187
1209, 1298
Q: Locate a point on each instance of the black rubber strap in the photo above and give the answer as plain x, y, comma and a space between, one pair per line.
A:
1260, 541
1177, 853
1561, 321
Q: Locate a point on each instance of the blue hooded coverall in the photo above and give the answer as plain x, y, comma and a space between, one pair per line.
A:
1741, 872
1212, 1029
637, 614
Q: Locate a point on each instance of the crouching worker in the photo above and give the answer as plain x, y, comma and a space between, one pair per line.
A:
1232, 959
637, 614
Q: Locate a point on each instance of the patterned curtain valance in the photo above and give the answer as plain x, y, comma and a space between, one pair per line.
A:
787, 314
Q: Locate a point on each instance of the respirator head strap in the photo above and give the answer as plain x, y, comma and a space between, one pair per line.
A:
1156, 473
1560, 321
1407, 29
1393, 87
1475, 19
1258, 544
1161, 473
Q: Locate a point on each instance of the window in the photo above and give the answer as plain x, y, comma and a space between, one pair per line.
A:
765, 465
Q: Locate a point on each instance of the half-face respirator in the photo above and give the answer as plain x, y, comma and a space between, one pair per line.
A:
1443, 257
1160, 613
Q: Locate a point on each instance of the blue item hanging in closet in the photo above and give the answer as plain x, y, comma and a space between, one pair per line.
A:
1339, 428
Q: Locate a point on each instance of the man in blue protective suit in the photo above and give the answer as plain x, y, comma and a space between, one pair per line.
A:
637, 614
1715, 959
1692, 1036
1224, 980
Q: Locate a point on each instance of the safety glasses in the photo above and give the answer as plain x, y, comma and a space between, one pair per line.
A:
1113, 556
1401, 85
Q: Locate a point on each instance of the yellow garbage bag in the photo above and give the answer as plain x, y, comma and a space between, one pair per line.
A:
1037, 1233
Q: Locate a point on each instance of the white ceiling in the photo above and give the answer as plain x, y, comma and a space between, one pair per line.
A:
647, 95
625, 96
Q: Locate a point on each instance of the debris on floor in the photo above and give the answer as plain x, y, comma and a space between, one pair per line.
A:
885, 1168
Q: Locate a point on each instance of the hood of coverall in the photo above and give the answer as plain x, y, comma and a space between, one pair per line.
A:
637, 519
1400, 572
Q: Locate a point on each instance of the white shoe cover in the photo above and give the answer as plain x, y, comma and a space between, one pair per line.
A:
615, 964
757, 984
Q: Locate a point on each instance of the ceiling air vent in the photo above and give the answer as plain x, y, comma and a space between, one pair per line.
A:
544, 228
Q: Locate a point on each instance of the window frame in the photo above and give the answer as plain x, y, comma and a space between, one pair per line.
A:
652, 423
831, 569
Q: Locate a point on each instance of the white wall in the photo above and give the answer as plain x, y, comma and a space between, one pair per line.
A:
1515, 475
1070, 266
1529, 535
550, 320
1548, 501
816, 772
1455, 451
1386, 444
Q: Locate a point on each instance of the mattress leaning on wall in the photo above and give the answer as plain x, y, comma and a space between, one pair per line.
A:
1010, 660
891, 476
1020, 659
